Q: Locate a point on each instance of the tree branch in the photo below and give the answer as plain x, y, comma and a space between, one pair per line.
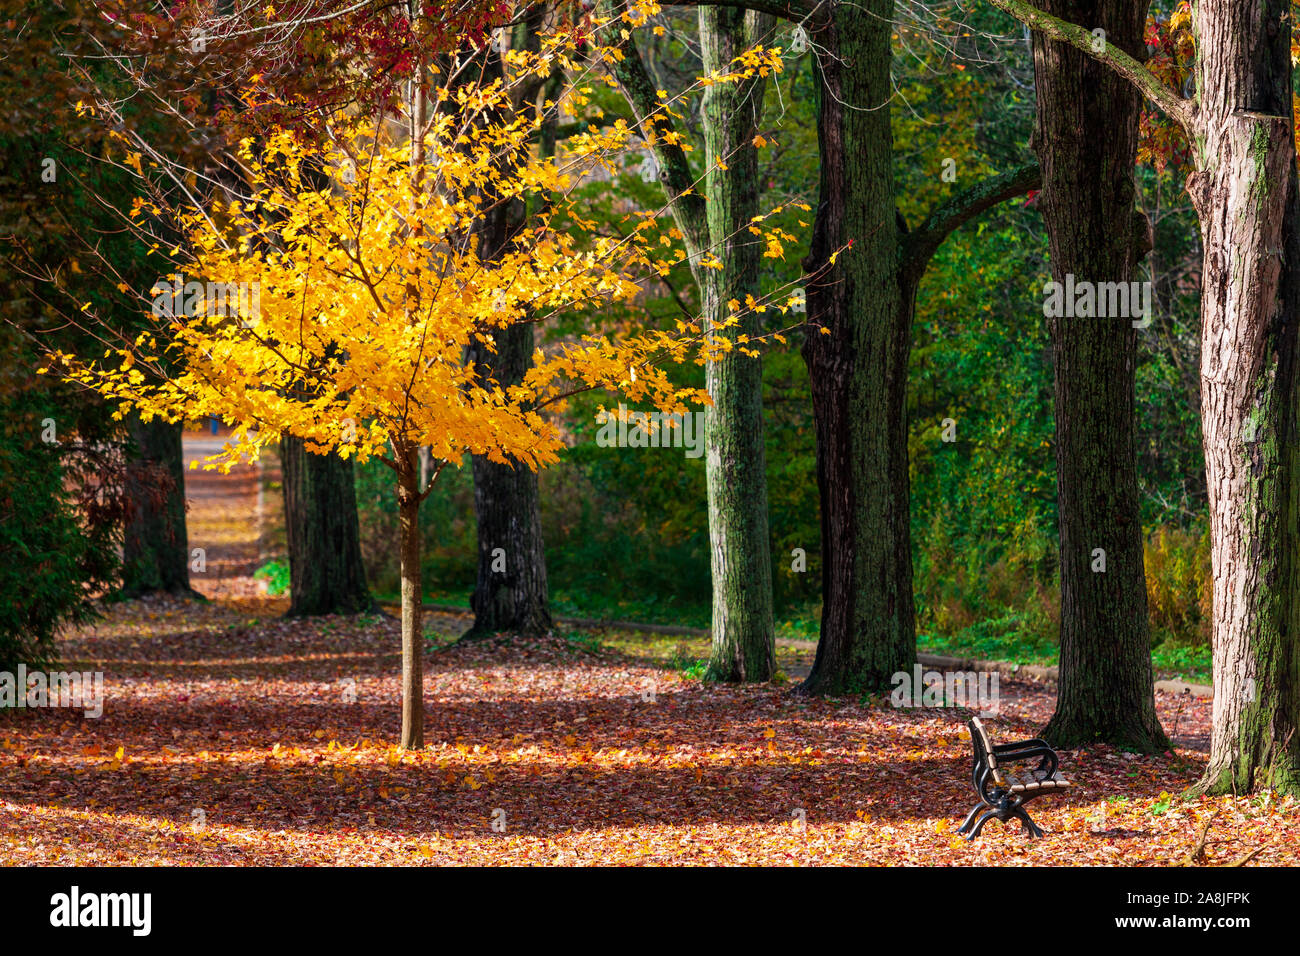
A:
920, 245
796, 11
1178, 109
676, 176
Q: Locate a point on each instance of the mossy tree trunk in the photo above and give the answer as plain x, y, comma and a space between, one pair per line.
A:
743, 636
1245, 192
858, 365
1086, 140
742, 633
864, 301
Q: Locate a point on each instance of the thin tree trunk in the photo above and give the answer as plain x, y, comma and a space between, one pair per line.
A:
1086, 142
406, 453
326, 572
408, 501
155, 549
743, 636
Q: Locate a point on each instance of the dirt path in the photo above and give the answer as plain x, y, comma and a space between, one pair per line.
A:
228, 517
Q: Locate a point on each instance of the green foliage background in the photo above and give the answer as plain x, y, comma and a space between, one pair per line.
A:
626, 529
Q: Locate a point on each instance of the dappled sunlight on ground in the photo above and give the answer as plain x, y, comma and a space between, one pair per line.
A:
232, 735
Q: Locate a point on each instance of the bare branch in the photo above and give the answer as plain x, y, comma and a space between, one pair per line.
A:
1178, 109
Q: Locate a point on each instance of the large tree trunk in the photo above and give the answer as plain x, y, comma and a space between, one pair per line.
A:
1245, 192
1248, 201
326, 573
1086, 142
408, 503
858, 371
510, 591
743, 637
155, 549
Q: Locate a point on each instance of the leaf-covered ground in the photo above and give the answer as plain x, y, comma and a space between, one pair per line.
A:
233, 736
230, 736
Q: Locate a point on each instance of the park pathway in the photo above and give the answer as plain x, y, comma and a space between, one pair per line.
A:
232, 517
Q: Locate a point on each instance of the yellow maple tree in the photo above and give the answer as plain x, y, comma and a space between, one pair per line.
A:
337, 299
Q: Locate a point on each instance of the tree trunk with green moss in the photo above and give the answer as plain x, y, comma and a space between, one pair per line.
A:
1245, 193
857, 346
743, 638
716, 224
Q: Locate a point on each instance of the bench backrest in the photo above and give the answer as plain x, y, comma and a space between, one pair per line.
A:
983, 747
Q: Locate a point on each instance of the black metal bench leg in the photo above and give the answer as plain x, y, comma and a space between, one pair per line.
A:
988, 815
1030, 826
970, 818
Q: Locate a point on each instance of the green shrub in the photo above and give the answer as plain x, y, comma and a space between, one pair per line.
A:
276, 575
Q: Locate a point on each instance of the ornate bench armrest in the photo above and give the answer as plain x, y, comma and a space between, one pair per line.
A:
988, 780
1048, 764
1020, 744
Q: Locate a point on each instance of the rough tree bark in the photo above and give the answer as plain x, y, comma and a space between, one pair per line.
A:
510, 590
743, 634
858, 372
743, 644
858, 367
326, 572
1086, 141
1246, 195
155, 548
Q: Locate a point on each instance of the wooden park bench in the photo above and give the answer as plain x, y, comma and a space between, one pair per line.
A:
1003, 794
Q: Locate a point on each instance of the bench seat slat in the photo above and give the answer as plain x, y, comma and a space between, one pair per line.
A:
1035, 781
